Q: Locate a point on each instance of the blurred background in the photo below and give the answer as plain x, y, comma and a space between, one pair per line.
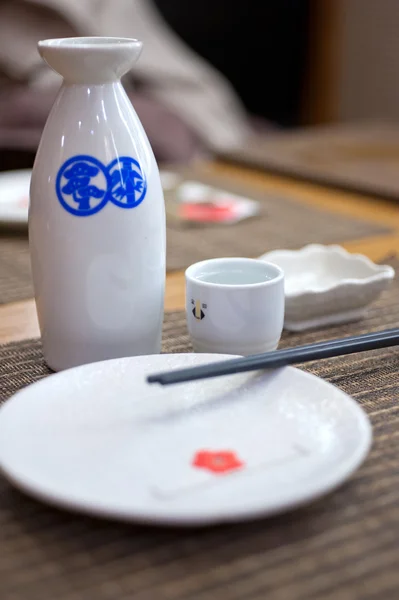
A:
213, 73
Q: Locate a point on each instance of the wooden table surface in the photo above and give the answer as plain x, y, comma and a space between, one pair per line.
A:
18, 320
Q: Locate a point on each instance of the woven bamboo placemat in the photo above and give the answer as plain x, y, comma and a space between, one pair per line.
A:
282, 223
344, 546
358, 157
15, 272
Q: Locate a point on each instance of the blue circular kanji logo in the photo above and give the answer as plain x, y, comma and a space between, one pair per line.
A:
128, 185
82, 185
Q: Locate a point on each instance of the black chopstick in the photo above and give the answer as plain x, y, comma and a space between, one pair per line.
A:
281, 358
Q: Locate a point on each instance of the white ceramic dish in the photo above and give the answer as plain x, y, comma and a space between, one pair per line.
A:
14, 197
98, 439
326, 285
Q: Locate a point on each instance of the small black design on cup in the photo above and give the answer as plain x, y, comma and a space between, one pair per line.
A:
198, 310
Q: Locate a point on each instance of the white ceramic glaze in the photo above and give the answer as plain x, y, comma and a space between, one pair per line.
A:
326, 285
234, 305
99, 276
98, 439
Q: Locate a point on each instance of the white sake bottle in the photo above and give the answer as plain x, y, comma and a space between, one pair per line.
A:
97, 215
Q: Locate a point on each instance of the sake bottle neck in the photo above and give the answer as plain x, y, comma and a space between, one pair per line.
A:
90, 60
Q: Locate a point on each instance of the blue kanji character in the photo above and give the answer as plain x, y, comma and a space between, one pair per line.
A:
126, 182
79, 176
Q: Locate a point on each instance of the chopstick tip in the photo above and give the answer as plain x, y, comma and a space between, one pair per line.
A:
154, 379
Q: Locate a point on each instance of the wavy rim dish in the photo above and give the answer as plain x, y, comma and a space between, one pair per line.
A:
379, 272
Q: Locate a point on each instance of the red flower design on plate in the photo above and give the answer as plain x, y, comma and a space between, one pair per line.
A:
219, 461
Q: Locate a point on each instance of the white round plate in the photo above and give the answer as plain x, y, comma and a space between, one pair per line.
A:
99, 439
14, 196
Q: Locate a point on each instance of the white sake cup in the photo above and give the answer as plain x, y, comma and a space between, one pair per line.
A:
234, 305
